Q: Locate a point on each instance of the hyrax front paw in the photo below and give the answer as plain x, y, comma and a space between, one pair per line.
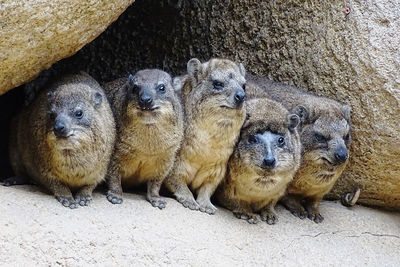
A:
296, 209
157, 202
16, 180
206, 206
83, 200
269, 217
67, 201
209, 209
114, 198
315, 216
300, 213
188, 203
249, 217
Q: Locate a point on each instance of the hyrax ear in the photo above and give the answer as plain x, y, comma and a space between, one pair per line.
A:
242, 69
346, 109
131, 79
194, 68
49, 95
246, 121
84, 73
97, 99
302, 112
293, 121
177, 83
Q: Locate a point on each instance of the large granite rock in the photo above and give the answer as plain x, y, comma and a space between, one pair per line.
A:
36, 34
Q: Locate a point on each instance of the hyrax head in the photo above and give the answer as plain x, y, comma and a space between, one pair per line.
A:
269, 140
217, 83
325, 133
73, 110
150, 89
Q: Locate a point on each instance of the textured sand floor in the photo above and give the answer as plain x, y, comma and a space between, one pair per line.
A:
36, 230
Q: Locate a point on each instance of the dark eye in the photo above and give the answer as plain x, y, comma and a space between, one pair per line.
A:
135, 88
320, 138
161, 88
347, 137
244, 87
78, 114
252, 139
218, 85
281, 141
53, 115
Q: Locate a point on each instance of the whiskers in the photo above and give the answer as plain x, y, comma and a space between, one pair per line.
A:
325, 177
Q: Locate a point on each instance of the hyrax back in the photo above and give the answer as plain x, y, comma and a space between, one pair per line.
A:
325, 136
213, 99
65, 138
263, 163
149, 120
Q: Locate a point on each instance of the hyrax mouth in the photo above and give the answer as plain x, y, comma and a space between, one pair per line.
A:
330, 163
63, 136
239, 106
327, 161
265, 180
148, 108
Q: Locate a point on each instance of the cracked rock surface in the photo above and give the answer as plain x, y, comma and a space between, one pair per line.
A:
37, 230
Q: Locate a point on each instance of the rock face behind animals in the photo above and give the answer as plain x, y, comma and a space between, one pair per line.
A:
344, 50
35, 34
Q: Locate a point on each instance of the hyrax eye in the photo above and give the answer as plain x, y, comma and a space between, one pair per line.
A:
320, 137
347, 137
252, 139
218, 85
52, 115
161, 88
244, 87
135, 88
281, 141
78, 114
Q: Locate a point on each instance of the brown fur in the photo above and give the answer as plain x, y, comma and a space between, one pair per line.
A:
212, 126
251, 186
147, 141
319, 169
78, 162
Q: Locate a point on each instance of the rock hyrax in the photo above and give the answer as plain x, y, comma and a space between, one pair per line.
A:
65, 138
325, 136
263, 163
149, 121
213, 96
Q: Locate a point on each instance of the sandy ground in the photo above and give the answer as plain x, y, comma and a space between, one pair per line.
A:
36, 230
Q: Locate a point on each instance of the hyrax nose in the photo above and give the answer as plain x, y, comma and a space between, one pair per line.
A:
269, 162
60, 129
239, 96
341, 155
145, 100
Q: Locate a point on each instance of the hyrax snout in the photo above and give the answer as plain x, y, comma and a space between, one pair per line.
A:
65, 138
263, 163
149, 120
69, 117
326, 135
213, 96
150, 89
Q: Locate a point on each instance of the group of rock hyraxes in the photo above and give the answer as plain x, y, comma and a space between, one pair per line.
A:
214, 130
